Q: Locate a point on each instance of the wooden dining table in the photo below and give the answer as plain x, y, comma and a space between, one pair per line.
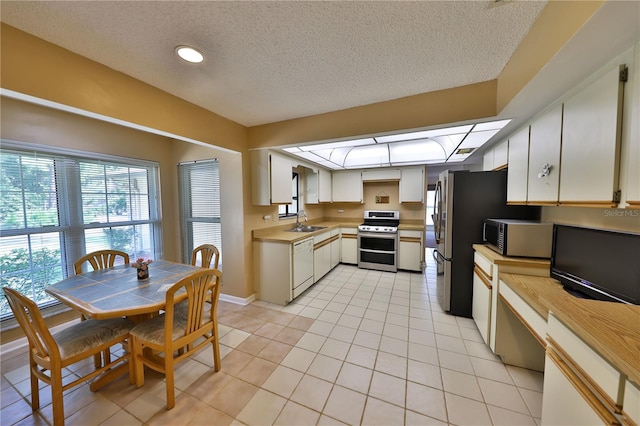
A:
117, 292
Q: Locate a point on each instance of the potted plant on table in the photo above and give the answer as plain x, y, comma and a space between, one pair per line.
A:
142, 265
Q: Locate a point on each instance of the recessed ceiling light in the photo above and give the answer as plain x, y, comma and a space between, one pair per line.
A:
189, 54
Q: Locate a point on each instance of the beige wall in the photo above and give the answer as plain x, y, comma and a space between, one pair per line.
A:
24, 122
618, 219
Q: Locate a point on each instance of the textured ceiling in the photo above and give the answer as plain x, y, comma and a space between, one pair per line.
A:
273, 61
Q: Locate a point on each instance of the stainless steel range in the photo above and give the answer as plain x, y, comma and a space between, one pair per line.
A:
378, 240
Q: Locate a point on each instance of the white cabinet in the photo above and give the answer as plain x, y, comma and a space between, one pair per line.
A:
544, 157
412, 185
482, 289
273, 271
591, 143
347, 186
349, 245
335, 248
324, 260
410, 250
318, 186
580, 387
487, 161
518, 170
489, 265
270, 178
501, 155
631, 404
562, 400
497, 158
381, 175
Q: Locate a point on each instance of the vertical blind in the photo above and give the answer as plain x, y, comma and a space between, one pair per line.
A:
200, 205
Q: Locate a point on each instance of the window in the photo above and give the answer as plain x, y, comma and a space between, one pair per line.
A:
292, 209
200, 206
56, 207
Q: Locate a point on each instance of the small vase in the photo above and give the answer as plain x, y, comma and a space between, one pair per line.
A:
143, 274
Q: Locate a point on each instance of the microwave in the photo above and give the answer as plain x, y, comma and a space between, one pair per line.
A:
517, 237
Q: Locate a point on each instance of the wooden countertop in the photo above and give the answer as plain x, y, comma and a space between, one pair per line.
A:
280, 234
499, 259
611, 329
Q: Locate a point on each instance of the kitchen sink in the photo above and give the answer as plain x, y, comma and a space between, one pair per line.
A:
306, 228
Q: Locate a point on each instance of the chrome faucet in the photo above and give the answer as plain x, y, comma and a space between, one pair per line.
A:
298, 215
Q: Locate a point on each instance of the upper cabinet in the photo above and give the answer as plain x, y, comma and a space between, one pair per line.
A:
544, 157
497, 157
412, 185
591, 142
318, 186
270, 178
518, 171
347, 186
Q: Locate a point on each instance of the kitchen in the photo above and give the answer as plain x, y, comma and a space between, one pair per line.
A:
238, 270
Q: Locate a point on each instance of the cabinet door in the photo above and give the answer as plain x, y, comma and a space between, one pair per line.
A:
487, 161
412, 185
335, 253
347, 186
410, 250
591, 143
564, 397
349, 246
518, 170
324, 186
311, 180
501, 155
281, 172
544, 157
481, 307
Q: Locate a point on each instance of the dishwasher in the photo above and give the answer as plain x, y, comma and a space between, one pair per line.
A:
302, 266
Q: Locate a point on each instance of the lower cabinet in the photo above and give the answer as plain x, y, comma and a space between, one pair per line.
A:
631, 405
323, 257
488, 265
273, 271
481, 306
349, 246
580, 387
410, 250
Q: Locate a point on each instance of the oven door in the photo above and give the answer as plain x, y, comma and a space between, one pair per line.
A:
378, 250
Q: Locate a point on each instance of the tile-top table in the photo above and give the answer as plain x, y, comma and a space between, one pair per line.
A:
117, 292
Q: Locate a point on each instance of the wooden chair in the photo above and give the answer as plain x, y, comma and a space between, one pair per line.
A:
50, 353
100, 259
174, 330
207, 253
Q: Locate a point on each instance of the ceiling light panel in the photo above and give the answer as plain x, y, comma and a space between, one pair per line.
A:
421, 150
371, 155
343, 144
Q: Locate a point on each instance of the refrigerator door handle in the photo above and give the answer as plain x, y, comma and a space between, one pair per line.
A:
439, 257
437, 213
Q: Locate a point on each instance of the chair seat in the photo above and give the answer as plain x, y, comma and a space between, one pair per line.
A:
90, 333
152, 330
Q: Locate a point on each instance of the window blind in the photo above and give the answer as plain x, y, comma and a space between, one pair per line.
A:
200, 205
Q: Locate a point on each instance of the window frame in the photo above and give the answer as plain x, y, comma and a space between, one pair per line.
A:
295, 196
71, 227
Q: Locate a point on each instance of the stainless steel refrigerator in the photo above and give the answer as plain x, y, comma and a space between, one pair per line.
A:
463, 200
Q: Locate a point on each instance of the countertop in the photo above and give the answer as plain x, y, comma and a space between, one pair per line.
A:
611, 329
280, 234
499, 259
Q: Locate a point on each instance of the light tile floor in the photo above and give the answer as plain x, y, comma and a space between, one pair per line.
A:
359, 347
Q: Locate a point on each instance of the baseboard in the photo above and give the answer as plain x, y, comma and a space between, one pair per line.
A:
237, 300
